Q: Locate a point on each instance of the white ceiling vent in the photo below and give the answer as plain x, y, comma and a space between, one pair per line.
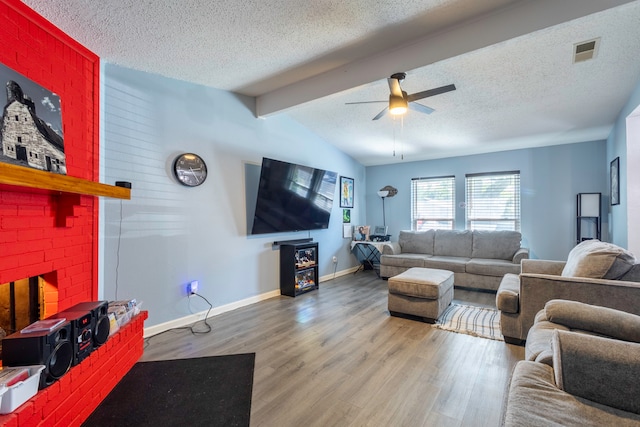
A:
585, 51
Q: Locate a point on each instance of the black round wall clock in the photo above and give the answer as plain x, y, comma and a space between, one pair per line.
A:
190, 169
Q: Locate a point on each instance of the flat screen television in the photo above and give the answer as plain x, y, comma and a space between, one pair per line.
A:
292, 197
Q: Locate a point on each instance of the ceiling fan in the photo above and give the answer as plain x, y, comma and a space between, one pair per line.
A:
399, 101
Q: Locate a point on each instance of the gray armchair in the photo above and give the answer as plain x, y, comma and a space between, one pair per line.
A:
593, 382
521, 296
581, 369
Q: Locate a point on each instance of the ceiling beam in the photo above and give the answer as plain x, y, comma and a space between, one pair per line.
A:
504, 24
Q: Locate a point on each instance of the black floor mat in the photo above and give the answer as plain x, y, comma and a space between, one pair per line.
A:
204, 391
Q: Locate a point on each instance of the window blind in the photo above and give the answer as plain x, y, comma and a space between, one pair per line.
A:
433, 203
493, 201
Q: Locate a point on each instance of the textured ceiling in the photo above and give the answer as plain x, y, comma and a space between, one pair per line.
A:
511, 62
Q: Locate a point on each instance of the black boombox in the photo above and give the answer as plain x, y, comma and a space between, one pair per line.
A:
84, 328
380, 237
53, 349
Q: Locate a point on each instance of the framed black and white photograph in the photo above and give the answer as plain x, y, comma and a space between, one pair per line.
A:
346, 192
614, 177
31, 124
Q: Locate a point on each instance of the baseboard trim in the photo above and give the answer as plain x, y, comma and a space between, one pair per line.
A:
192, 318
338, 274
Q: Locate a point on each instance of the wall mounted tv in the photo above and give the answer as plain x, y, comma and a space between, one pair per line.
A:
292, 198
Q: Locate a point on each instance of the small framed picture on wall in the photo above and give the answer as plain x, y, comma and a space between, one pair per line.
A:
346, 216
347, 231
614, 177
346, 192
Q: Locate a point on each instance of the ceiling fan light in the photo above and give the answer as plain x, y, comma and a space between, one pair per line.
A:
397, 105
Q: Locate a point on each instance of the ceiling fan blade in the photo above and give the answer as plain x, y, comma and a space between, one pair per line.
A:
420, 108
363, 102
431, 92
381, 113
394, 87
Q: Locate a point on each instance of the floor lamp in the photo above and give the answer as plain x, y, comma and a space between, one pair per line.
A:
383, 194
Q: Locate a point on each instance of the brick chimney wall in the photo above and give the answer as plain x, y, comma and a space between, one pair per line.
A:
56, 235
33, 238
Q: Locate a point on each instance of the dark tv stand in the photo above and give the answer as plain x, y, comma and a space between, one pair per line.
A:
298, 268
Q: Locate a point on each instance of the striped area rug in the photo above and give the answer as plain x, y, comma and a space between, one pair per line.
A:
466, 319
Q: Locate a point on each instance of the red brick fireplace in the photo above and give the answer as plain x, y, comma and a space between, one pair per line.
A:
33, 238
53, 234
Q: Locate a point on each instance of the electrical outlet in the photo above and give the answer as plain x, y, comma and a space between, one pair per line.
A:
192, 287
335, 259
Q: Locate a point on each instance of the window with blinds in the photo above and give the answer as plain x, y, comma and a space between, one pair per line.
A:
433, 203
493, 201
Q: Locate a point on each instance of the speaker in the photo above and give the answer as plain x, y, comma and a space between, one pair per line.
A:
100, 312
53, 349
82, 325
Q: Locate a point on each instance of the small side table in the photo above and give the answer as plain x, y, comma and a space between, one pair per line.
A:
369, 253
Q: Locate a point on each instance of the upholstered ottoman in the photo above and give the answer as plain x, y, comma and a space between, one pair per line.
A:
420, 292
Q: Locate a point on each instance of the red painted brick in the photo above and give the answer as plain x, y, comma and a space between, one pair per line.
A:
39, 404
9, 210
26, 415
13, 223
65, 406
52, 390
32, 234
10, 274
30, 210
84, 413
9, 420
49, 420
29, 220
66, 420
31, 258
54, 403
45, 222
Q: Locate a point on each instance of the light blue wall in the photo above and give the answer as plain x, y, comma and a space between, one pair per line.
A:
551, 177
168, 234
617, 147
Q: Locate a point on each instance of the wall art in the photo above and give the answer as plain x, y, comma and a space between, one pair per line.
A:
31, 126
346, 216
346, 192
614, 178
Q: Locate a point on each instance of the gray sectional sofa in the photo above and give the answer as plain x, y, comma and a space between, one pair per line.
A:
478, 259
581, 369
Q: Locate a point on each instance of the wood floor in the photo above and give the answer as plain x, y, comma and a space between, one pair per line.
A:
334, 357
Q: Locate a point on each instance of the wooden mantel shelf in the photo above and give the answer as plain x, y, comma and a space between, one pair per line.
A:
33, 178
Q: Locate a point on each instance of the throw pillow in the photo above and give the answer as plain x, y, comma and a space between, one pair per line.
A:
417, 242
497, 244
598, 260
